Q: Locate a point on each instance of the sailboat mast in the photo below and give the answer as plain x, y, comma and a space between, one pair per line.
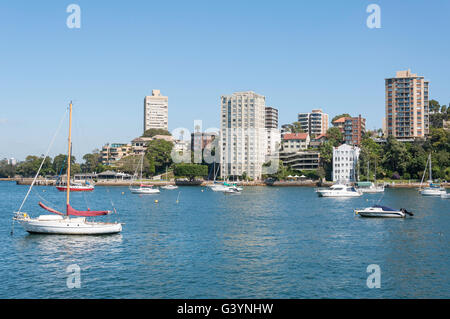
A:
375, 175
431, 178
69, 155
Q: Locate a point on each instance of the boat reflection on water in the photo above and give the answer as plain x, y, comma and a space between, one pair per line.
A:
69, 244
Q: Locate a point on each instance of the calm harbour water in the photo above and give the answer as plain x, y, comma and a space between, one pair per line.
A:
266, 243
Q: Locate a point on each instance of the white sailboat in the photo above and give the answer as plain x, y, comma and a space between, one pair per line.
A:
169, 186
216, 186
370, 187
63, 224
143, 189
432, 189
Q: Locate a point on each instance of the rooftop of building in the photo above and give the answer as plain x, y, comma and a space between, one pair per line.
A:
404, 75
295, 136
340, 120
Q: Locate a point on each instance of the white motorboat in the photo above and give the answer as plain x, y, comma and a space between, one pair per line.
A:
382, 212
339, 190
169, 187
144, 190
62, 224
445, 195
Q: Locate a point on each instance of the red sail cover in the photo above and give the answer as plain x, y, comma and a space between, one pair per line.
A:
50, 209
89, 213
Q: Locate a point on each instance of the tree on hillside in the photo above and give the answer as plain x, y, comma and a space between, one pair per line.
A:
335, 136
339, 116
30, 166
190, 171
369, 157
155, 131
159, 155
326, 158
395, 156
7, 170
296, 128
434, 106
92, 162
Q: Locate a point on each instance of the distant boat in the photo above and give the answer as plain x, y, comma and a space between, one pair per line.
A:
224, 187
339, 190
382, 212
62, 224
219, 188
370, 187
232, 190
76, 187
432, 189
143, 189
169, 187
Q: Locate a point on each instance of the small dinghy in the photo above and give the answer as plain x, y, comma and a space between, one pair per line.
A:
232, 190
383, 212
169, 187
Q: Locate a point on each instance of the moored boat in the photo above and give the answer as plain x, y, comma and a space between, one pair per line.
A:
144, 189
232, 190
169, 187
76, 187
63, 224
432, 189
370, 188
339, 190
382, 212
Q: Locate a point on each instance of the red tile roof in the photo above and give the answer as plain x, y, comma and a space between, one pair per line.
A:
295, 136
318, 137
340, 120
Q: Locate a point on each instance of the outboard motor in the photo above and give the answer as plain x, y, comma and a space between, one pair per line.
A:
406, 212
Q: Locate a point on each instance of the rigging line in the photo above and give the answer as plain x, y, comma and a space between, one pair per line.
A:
62, 167
43, 160
112, 203
44, 200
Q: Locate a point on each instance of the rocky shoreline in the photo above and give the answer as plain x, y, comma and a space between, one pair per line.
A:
308, 183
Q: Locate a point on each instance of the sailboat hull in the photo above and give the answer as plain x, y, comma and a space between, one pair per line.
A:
76, 188
68, 226
431, 192
144, 191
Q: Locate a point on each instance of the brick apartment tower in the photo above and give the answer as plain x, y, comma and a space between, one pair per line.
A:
407, 106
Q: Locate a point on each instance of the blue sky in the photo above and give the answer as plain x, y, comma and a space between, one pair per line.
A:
299, 54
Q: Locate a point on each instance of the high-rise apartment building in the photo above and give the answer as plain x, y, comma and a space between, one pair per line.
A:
273, 133
156, 111
354, 128
314, 123
271, 117
407, 105
243, 138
